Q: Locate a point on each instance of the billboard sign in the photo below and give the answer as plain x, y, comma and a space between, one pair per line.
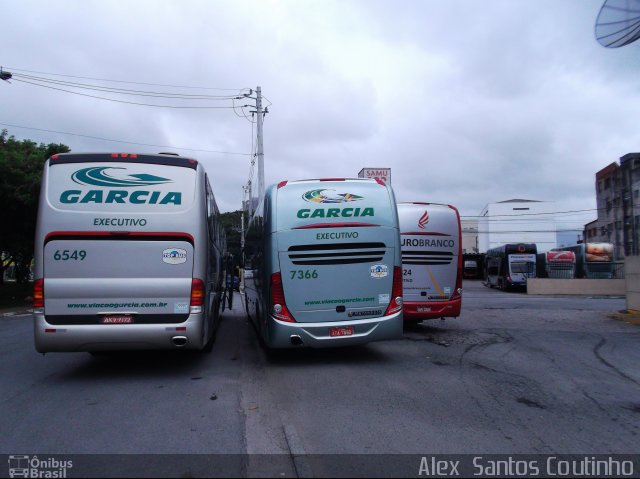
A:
382, 174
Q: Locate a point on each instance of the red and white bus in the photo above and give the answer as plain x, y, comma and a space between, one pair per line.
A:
557, 264
431, 241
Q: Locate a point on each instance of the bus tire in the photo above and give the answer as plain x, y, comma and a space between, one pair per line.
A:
214, 323
213, 331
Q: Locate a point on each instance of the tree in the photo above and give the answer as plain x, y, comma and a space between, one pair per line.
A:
232, 226
21, 164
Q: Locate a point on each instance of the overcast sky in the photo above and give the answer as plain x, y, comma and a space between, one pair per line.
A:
468, 102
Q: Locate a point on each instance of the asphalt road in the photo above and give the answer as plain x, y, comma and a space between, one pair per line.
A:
514, 374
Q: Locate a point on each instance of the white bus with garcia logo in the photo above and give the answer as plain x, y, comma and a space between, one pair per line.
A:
322, 264
128, 254
431, 260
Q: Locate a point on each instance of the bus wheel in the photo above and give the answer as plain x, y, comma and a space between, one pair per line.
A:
208, 347
214, 322
246, 305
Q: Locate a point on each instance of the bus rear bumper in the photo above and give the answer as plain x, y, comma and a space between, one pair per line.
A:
318, 335
417, 311
116, 337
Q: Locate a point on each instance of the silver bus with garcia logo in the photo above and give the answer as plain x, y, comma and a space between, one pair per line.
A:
322, 264
431, 260
128, 254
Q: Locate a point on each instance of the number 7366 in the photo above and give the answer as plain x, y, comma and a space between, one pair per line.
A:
304, 274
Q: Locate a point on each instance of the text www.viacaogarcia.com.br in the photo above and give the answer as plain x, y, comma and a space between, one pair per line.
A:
116, 305
339, 301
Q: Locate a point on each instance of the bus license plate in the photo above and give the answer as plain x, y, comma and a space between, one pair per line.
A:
116, 319
424, 309
335, 332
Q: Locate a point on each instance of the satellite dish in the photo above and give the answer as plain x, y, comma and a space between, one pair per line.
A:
618, 23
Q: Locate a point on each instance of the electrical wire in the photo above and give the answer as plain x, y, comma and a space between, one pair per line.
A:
591, 210
127, 142
126, 81
123, 91
124, 101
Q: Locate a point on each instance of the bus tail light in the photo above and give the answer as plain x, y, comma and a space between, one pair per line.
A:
279, 308
197, 295
457, 292
396, 292
38, 293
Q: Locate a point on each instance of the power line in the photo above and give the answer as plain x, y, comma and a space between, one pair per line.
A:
495, 218
493, 233
124, 91
125, 81
127, 142
532, 214
124, 101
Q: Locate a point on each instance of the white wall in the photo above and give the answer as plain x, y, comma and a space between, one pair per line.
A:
469, 236
518, 222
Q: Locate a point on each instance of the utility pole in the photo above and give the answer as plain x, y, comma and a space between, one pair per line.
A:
241, 259
259, 187
244, 192
259, 149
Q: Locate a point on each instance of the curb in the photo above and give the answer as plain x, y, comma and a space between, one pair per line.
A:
628, 316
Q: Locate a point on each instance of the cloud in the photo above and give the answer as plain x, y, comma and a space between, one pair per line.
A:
468, 102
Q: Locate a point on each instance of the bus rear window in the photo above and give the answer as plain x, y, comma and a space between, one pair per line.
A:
350, 203
522, 267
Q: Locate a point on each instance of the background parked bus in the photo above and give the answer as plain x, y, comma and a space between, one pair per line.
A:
556, 264
472, 265
593, 260
322, 264
128, 254
510, 265
431, 260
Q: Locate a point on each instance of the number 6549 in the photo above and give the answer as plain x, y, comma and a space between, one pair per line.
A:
66, 255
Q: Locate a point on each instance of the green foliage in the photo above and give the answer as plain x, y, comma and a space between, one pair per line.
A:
21, 163
232, 227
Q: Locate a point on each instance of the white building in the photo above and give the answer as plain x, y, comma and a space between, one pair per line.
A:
517, 221
469, 236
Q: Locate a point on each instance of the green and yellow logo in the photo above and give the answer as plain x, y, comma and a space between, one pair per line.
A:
319, 196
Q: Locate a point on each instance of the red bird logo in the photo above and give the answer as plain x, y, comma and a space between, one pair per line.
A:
424, 219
